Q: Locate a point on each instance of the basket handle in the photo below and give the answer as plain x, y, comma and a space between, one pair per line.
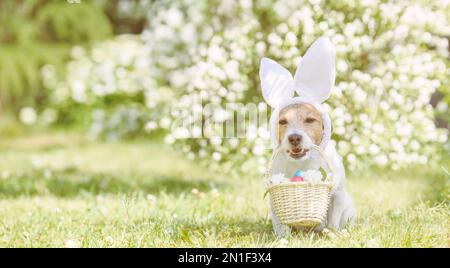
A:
327, 162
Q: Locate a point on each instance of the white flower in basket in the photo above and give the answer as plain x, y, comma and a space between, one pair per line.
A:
312, 176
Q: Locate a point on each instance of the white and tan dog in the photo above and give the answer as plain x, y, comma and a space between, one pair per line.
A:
298, 122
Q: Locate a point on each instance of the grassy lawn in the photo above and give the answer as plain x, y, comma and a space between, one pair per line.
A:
60, 190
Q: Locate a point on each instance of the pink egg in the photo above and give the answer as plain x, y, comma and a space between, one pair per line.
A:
297, 179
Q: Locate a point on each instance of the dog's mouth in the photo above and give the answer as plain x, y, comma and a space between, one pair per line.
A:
297, 153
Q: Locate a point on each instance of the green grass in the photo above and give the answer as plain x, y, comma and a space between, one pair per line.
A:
62, 190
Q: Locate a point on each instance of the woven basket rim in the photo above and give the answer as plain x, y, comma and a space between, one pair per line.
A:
300, 184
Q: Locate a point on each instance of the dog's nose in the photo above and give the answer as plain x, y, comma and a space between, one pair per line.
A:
294, 139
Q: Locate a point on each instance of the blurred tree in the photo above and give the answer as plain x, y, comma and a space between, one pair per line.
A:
127, 16
37, 32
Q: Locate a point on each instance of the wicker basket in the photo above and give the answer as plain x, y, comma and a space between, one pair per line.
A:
302, 204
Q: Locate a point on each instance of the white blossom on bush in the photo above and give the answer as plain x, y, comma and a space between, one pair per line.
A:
28, 115
390, 58
115, 81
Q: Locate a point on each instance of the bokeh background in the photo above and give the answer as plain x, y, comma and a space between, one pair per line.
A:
113, 73
120, 69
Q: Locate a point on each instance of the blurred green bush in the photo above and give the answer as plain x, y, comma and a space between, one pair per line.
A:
391, 58
38, 32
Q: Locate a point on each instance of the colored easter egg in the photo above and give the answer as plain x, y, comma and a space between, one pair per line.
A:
297, 179
298, 173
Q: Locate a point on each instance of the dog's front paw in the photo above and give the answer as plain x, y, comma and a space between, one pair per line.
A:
325, 231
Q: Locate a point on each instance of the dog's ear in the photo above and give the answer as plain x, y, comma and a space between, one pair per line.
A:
316, 72
277, 83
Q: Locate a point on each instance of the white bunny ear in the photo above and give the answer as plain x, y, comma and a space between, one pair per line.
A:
277, 83
316, 72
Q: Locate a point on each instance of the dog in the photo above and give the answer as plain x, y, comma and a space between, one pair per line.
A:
299, 122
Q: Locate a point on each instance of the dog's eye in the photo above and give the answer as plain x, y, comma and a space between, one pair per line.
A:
282, 121
310, 120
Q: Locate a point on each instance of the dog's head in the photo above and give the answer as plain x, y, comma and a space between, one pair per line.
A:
299, 122
299, 126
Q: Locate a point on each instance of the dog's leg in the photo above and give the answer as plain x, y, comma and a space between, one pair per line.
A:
348, 215
280, 229
333, 215
341, 210
335, 210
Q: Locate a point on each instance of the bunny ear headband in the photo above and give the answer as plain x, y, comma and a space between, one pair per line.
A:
313, 81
